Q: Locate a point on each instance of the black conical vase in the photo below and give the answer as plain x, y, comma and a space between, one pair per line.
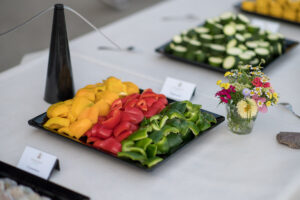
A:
59, 83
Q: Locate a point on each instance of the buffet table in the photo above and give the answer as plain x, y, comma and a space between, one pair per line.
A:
217, 165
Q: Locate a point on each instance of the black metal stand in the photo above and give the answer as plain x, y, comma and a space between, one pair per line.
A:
59, 83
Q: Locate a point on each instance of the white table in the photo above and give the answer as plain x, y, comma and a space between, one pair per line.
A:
218, 165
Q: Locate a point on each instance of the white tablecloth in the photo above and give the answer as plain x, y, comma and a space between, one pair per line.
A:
218, 165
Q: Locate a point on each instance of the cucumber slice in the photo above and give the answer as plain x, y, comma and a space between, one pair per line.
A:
262, 34
216, 29
240, 28
194, 45
245, 58
234, 51
229, 62
215, 61
226, 17
201, 30
200, 56
242, 19
190, 55
177, 40
277, 49
179, 51
229, 30
186, 40
273, 38
205, 38
247, 36
251, 53
217, 50
219, 39
262, 53
264, 44
240, 38
253, 29
191, 33
251, 45
232, 43
184, 33
242, 47
209, 23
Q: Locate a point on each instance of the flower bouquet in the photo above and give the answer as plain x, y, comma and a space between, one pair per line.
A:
247, 92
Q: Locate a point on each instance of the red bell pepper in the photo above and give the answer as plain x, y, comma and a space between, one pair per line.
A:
112, 120
123, 126
110, 145
124, 135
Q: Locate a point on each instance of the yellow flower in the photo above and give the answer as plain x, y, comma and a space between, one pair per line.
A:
275, 95
227, 74
219, 82
227, 85
222, 85
269, 94
252, 93
247, 108
268, 103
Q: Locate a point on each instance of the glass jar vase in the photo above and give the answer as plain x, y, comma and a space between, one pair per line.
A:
236, 123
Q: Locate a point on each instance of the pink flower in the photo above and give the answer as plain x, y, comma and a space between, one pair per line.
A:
225, 94
223, 99
266, 85
256, 82
260, 101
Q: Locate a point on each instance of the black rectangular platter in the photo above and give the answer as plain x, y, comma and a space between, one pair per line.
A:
287, 46
238, 6
38, 122
39, 185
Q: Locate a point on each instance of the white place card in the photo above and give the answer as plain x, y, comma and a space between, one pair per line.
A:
266, 25
177, 89
38, 162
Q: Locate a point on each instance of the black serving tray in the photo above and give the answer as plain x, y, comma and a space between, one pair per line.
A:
238, 6
39, 185
287, 46
41, 119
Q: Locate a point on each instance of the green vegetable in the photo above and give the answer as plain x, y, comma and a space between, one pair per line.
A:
139, 134
153, 161
144, 143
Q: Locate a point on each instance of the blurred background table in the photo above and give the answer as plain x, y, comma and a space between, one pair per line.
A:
218, 165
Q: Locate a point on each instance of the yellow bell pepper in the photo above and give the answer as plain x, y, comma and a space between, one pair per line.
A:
57, 123
113, 84
90, 113
103, 107
131, 88
289, 14
79, 104
59, 109
249, 5
108, 96
78, 128
68, 102
64, 130
86, 92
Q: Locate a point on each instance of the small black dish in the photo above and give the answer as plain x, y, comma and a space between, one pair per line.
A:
39, 185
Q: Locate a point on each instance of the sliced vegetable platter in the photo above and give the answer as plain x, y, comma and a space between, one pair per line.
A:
239, 7
226, 42
38, 122
140, 127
